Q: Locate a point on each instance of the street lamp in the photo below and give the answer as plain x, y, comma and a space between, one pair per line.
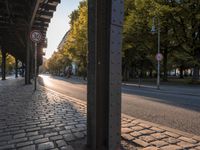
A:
159, 55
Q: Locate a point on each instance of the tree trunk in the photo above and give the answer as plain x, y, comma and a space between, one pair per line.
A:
151, 73
165, 60
123, 73
127, 74
181, 72
195, 76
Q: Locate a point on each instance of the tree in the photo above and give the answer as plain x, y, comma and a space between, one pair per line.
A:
179, 23
186, 28
10, 62
138, 46
76, 44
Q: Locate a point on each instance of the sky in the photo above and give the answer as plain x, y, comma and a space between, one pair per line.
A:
59, 25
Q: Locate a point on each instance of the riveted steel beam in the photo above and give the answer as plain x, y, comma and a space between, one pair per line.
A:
16, 67
104, 78
28, 56
34, 12
91, 75
3, 64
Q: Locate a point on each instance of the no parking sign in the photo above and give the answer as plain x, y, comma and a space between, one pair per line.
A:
159, 56
36, 36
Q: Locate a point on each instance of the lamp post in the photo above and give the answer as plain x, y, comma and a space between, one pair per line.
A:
159, 55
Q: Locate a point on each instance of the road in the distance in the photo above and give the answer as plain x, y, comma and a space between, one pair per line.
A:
179, 111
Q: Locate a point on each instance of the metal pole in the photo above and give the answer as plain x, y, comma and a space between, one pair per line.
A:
104, 74
139, 78
91, 76
3, 69
35, 85
27, 69
158, 73
16, 68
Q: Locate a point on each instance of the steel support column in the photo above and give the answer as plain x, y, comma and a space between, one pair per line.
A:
16, 68
104, 74
31, 60
91, 75
3, 65
27, 69
23, 69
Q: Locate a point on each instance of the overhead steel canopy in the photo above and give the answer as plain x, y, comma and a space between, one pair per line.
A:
18, 18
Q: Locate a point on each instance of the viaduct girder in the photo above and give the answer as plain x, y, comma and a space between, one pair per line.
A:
18, 18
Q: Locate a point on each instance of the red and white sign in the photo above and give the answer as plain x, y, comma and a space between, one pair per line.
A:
159, 56
36, 36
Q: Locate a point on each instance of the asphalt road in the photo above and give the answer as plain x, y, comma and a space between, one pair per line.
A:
173, 109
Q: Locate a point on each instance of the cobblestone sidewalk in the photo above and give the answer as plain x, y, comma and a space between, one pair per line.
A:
48, 120
40, 120
150, 136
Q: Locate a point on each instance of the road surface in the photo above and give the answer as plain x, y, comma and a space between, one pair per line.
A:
176, 110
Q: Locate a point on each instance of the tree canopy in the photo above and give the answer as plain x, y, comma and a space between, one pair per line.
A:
179, 23
10, 62
75, 47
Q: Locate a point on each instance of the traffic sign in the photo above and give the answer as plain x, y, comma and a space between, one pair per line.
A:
19, 64
36, 36
159, 56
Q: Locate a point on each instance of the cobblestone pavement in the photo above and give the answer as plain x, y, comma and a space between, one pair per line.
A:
40, 120
48, 120
150, 136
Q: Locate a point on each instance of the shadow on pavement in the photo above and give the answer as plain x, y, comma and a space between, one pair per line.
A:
41, 116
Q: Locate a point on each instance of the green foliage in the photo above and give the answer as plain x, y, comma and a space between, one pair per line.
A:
57, 63
10, 62
77, 40
179, 23
75, 48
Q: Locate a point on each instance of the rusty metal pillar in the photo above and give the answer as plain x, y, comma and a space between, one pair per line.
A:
3, 65
91, 75
23, 69
16, 68
31, 60
27, 69
104, 74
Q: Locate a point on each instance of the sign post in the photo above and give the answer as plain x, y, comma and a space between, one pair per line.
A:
36, 37
159, 57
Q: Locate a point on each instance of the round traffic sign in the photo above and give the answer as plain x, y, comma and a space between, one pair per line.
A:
36, 36
159, 56
19, 64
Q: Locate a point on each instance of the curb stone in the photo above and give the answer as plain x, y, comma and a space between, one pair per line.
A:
165, 137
